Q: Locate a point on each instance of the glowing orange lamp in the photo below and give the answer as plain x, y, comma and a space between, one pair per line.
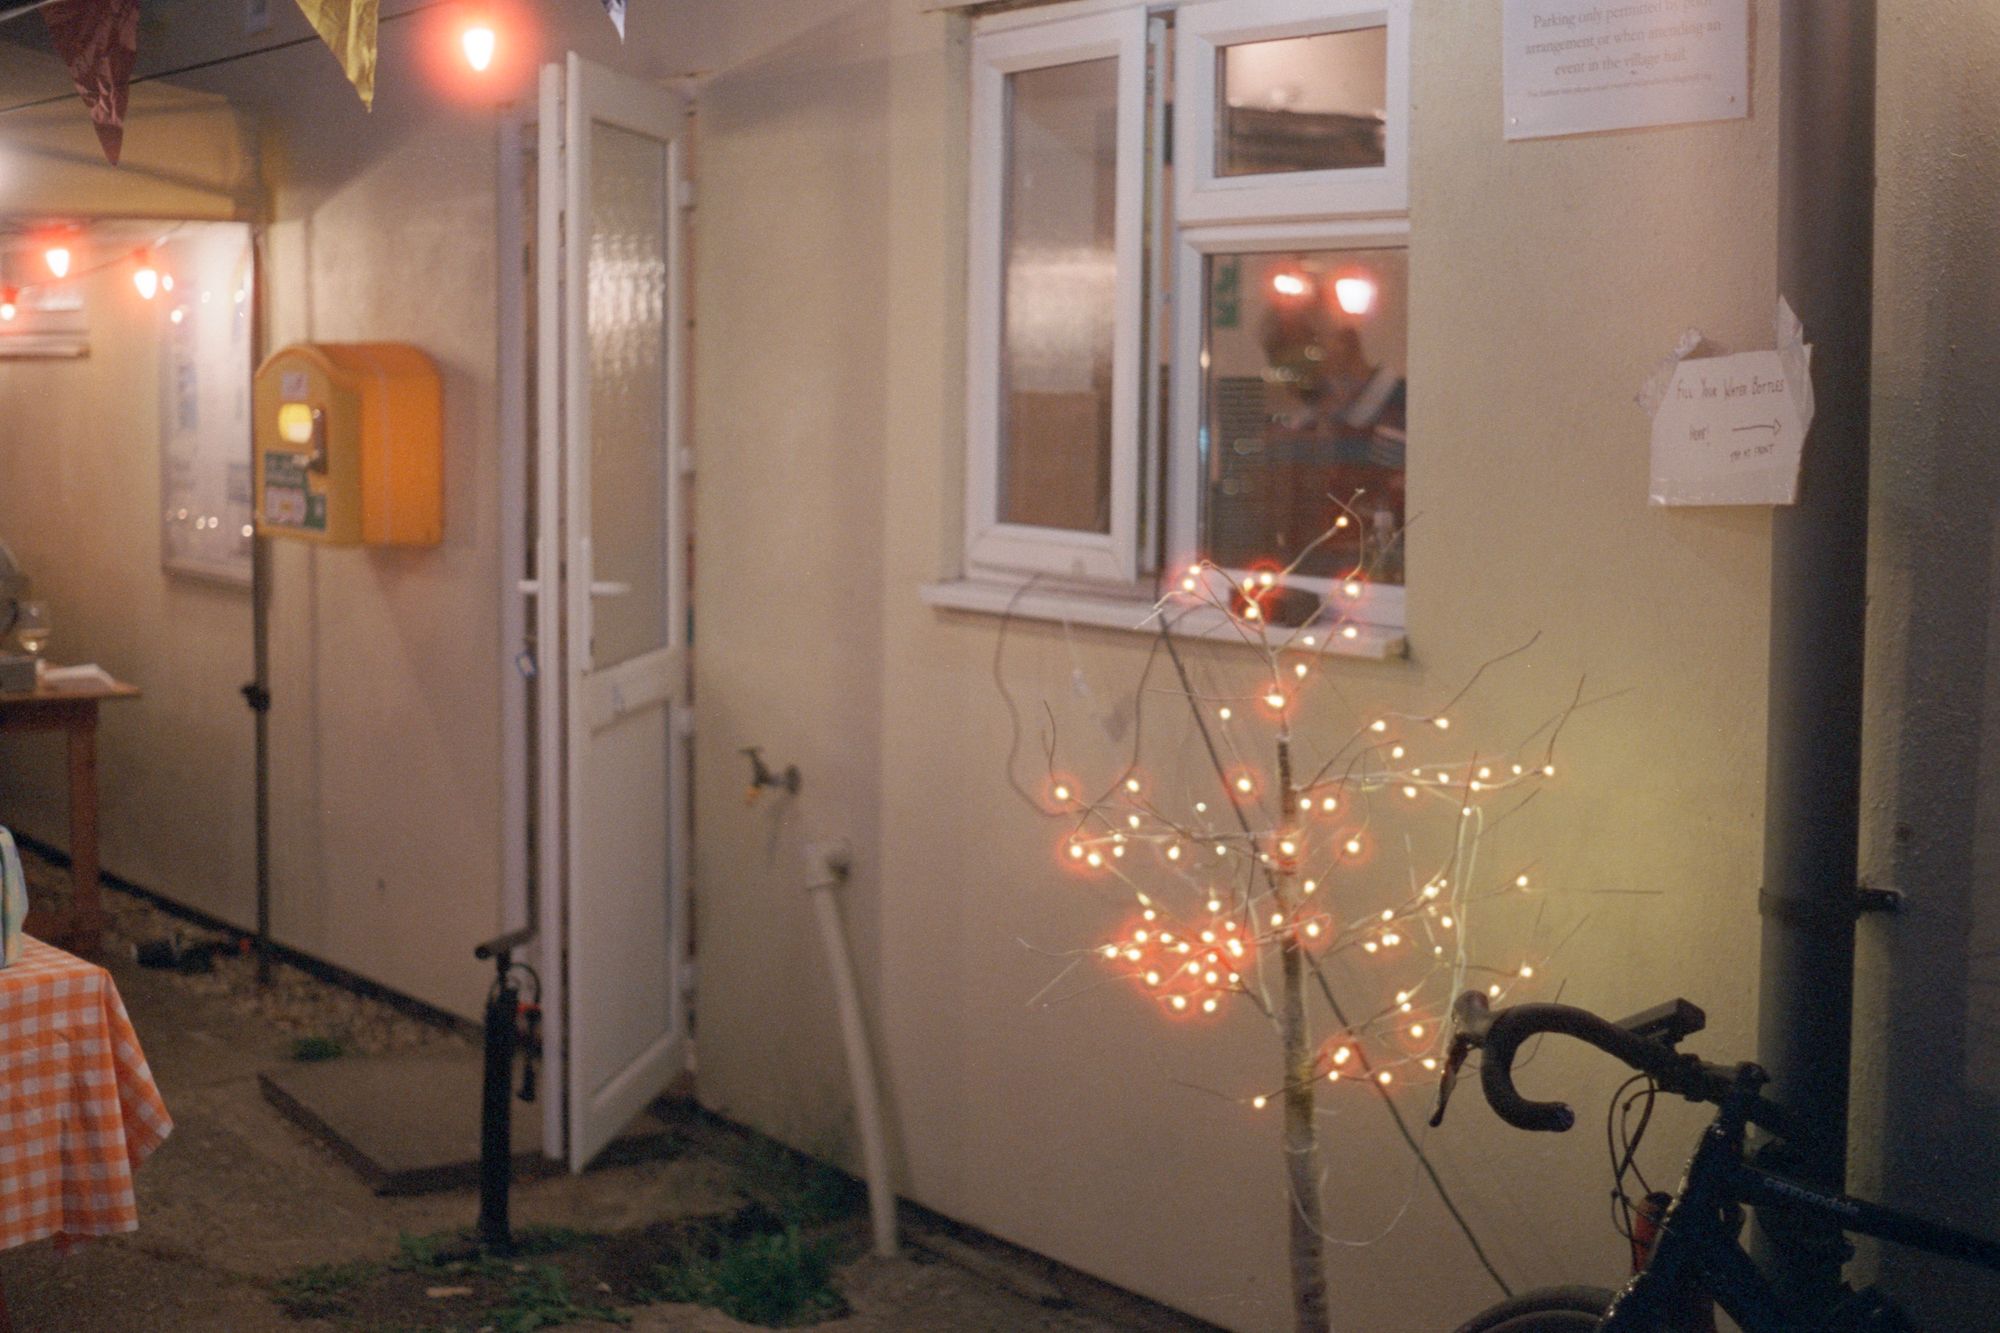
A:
480, 42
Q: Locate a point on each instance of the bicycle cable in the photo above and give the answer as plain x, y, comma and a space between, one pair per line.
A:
1622, 1138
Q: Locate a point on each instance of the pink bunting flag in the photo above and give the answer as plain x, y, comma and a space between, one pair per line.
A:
99, 40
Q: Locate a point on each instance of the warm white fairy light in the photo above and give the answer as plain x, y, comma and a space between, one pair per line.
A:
1305, 848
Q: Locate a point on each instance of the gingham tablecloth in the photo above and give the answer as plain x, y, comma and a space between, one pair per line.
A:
78, 1108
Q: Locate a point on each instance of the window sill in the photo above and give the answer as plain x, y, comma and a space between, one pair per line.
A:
1133, 614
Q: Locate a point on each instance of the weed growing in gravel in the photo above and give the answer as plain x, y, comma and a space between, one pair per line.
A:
321, 1291
776, 1279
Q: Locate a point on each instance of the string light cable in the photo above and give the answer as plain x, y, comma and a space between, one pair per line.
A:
195, 67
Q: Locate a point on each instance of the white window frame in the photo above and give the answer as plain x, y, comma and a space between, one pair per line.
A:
994, 547
1108, 579
1201, 31
1385, 601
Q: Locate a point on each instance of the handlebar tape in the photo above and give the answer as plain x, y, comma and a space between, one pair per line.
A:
1512, 1026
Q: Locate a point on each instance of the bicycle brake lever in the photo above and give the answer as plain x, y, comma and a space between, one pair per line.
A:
1461, 1046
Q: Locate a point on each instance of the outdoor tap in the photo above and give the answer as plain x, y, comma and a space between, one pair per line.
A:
761, 776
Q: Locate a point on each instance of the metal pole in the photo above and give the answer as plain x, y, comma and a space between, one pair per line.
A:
1826, 111
258, 692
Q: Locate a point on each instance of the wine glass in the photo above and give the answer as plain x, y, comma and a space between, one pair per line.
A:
32, 628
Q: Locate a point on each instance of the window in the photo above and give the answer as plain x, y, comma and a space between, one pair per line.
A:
1188, 302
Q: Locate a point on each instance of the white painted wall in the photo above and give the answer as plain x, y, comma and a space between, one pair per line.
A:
1546, 279
80, 505
386, 753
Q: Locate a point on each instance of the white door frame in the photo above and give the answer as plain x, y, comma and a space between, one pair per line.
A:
561, 617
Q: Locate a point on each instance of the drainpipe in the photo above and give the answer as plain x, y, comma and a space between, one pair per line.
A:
1826, 217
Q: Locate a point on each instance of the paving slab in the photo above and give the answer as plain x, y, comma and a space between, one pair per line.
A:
409, 1123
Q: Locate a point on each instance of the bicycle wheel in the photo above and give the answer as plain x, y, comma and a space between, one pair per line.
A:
1549, 1310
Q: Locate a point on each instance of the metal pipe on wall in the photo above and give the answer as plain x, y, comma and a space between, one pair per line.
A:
1826, 218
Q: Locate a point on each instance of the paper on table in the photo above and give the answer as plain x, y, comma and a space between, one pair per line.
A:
89, 676
1730, 430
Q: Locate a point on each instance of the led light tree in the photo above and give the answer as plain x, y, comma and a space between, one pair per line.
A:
1250, 882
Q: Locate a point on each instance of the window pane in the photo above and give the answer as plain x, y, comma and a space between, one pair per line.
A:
1303, 409
1061, 275
628, 406
1303, 103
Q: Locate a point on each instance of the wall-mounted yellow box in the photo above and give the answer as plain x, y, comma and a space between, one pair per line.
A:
350, 445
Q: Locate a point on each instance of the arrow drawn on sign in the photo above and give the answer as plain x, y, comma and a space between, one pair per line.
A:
1773, 427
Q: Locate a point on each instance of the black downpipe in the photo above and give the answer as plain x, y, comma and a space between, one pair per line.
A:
1826, 219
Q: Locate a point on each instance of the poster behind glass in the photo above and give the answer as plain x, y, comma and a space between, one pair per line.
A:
205, 370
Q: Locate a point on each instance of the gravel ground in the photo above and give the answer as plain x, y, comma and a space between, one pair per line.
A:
296, 1003
239, 1197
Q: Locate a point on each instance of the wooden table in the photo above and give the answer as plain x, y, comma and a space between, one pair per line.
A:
72, 711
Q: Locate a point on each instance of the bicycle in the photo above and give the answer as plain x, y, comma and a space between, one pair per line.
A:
1690, 1259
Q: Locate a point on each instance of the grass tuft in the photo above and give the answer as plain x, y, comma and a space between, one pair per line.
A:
311, 1050
321, 1292
773, 1279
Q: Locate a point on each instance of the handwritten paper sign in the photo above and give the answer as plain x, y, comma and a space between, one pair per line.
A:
1730, 430
1574, 66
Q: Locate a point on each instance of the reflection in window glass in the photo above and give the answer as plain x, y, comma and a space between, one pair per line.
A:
1059, 294
1302, 103
1303, 392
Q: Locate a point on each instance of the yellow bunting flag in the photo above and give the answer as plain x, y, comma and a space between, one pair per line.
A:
99, 41
348, 29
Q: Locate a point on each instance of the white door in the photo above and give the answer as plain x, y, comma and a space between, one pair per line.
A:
612, 712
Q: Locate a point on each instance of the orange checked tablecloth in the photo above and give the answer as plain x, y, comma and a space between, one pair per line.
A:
78, 1108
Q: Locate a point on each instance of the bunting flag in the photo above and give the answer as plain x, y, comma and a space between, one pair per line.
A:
615, 10
348, 29
99, 40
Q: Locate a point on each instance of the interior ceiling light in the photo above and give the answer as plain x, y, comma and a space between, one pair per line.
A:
57, 258
1288, 284
1356, 295
146, 278
9, 303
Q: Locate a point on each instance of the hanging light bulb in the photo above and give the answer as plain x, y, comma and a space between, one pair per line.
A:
146, 277
57, 258
9, 303
479, 42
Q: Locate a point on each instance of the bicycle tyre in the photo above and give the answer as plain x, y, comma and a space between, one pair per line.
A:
1547, 1310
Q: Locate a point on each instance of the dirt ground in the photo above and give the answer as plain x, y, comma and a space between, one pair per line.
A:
240, 1202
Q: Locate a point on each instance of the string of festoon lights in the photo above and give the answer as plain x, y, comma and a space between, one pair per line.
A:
1222, 881
57, 253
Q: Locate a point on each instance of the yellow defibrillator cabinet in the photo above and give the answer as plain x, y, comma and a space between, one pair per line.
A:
350, 445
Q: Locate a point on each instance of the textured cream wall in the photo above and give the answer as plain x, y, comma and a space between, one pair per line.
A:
80, 506
1927, 1053
385, 664
1547, 278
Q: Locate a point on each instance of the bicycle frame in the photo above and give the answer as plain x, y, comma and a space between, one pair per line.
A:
1698, 1249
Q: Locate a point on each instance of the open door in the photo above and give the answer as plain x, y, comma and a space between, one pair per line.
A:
611, 608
